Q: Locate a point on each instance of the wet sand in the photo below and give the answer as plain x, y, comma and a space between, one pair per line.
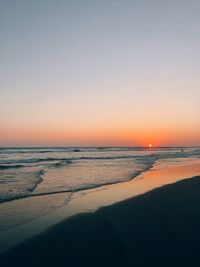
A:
162, 173
158, 228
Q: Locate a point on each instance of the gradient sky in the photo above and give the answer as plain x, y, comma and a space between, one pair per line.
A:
99, 72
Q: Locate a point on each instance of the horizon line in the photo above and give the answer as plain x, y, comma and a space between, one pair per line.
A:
113, 146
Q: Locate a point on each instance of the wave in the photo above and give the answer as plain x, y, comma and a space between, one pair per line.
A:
24, 151
11, 165
50, 159
31, 160
15, 166
81, 187
61, 163
34, 178
171, 154
40, 179
18, 161
39, 151
9, 193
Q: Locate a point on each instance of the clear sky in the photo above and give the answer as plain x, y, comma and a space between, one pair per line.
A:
99, 72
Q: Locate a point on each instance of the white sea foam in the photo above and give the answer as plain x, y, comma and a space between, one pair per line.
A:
40, 182
35, 171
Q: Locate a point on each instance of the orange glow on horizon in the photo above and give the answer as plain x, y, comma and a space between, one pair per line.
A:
95, 137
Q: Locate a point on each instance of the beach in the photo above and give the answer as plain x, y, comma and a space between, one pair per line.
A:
151, 220
100, 133
158, 228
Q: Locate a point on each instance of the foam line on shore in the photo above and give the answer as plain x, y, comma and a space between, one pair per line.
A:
151, 162
92, 199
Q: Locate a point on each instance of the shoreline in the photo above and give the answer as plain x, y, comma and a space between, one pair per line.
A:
93, 199
157, 228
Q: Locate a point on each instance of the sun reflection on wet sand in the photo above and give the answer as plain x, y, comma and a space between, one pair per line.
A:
162, 173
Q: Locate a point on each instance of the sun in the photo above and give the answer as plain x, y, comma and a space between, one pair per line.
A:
150, 145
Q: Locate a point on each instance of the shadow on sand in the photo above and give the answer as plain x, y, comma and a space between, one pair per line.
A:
160, 228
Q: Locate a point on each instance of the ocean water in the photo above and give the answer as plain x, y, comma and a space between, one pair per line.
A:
36, 181
26, 172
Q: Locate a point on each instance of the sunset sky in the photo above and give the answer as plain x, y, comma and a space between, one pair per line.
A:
81, 73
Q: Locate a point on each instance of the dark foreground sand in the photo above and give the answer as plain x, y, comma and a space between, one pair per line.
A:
160, 228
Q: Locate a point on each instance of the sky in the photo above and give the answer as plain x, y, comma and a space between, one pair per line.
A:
106, 73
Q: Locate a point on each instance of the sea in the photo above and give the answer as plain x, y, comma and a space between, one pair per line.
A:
35, 181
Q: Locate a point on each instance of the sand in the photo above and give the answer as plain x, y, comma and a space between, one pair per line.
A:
162, 173
158, 228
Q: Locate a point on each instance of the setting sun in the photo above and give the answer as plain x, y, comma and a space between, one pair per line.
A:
85, 86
